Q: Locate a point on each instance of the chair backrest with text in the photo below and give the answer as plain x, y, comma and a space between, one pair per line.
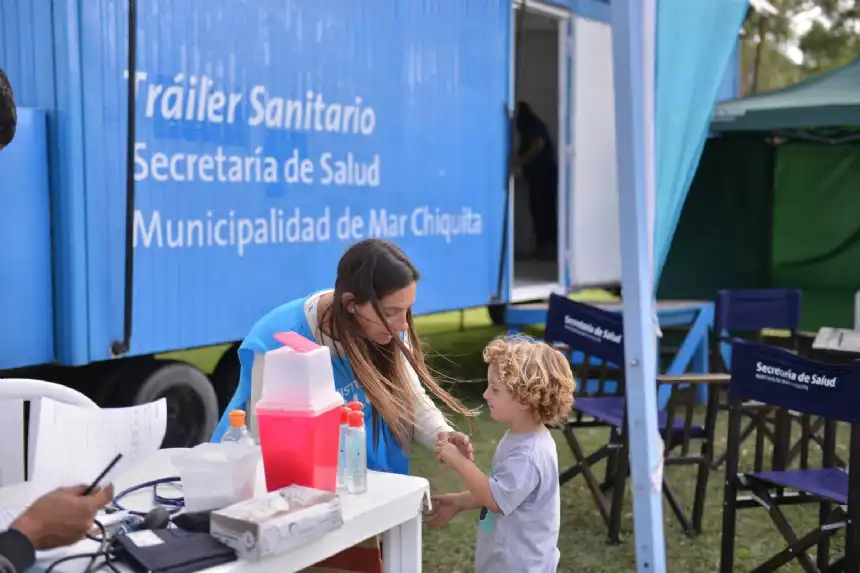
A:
745, 314
781, 378
595, 339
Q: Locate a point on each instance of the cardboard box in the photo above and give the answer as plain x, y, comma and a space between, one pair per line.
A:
278, 522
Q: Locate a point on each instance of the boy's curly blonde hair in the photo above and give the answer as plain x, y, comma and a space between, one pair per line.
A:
536, 374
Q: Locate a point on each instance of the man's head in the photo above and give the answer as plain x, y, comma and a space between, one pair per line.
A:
8, 115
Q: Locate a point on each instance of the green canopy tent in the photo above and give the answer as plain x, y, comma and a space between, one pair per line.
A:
815, 109
776, 200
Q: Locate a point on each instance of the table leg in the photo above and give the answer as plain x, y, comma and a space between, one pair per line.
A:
391, 548
701, 363
401, 547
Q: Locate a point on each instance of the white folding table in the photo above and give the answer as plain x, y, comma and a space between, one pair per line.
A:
392, 507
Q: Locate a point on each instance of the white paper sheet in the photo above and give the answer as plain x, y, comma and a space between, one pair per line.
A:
74, 445
837, 339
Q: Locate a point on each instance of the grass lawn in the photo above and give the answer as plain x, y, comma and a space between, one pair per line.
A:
455, 354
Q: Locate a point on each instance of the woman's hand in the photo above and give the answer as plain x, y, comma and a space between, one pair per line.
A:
449, 454
462, 441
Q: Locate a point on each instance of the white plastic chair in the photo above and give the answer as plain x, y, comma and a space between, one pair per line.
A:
14, 392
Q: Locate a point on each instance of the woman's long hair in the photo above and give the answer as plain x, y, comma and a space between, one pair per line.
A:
371, 270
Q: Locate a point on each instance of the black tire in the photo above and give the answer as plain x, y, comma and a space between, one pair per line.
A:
192, 406
497, 313
225, 377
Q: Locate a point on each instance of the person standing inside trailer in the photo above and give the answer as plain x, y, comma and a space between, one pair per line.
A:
366, 321
539, 164
8, 115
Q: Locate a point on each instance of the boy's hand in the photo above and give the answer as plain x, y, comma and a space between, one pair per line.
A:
460, 440
445, 508
448, 453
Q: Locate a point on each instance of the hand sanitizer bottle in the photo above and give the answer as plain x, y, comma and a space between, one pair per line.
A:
356, 465
238, 431
342, 448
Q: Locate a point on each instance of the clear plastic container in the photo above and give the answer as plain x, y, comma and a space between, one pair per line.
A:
237, 433
300, 446
341, 454
214, 476
356, 465
298, 373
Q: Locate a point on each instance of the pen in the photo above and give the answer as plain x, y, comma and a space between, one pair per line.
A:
102, 475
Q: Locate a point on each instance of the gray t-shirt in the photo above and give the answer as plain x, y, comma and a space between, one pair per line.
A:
523, 538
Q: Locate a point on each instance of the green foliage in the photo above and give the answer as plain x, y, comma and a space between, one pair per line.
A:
831, 41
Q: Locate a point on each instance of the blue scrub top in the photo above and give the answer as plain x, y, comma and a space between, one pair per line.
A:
384, 454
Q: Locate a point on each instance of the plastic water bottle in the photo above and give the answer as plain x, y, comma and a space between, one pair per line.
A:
342, 448
238, 431
356, 464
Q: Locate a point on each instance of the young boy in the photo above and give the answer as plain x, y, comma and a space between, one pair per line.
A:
529, 384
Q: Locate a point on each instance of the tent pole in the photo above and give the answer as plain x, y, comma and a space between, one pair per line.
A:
770, 181
633, 47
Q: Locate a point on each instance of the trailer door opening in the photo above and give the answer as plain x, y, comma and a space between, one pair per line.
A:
538, 243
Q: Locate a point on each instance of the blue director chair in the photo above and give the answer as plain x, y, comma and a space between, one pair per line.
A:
593, 339
746, 315
780, 378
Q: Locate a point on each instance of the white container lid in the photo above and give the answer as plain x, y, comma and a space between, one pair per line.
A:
298, 377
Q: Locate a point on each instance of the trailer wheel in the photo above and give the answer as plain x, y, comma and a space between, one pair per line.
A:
225, 377
192, 406
497, 313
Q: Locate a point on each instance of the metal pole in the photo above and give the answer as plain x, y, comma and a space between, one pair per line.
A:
633, 31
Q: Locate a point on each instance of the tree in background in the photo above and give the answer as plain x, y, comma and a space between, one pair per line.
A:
831, 41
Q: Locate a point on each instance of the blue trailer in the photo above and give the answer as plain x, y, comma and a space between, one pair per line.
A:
170, 207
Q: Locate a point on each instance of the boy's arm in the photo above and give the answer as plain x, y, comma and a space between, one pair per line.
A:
477, 482
467, 502
514, 479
